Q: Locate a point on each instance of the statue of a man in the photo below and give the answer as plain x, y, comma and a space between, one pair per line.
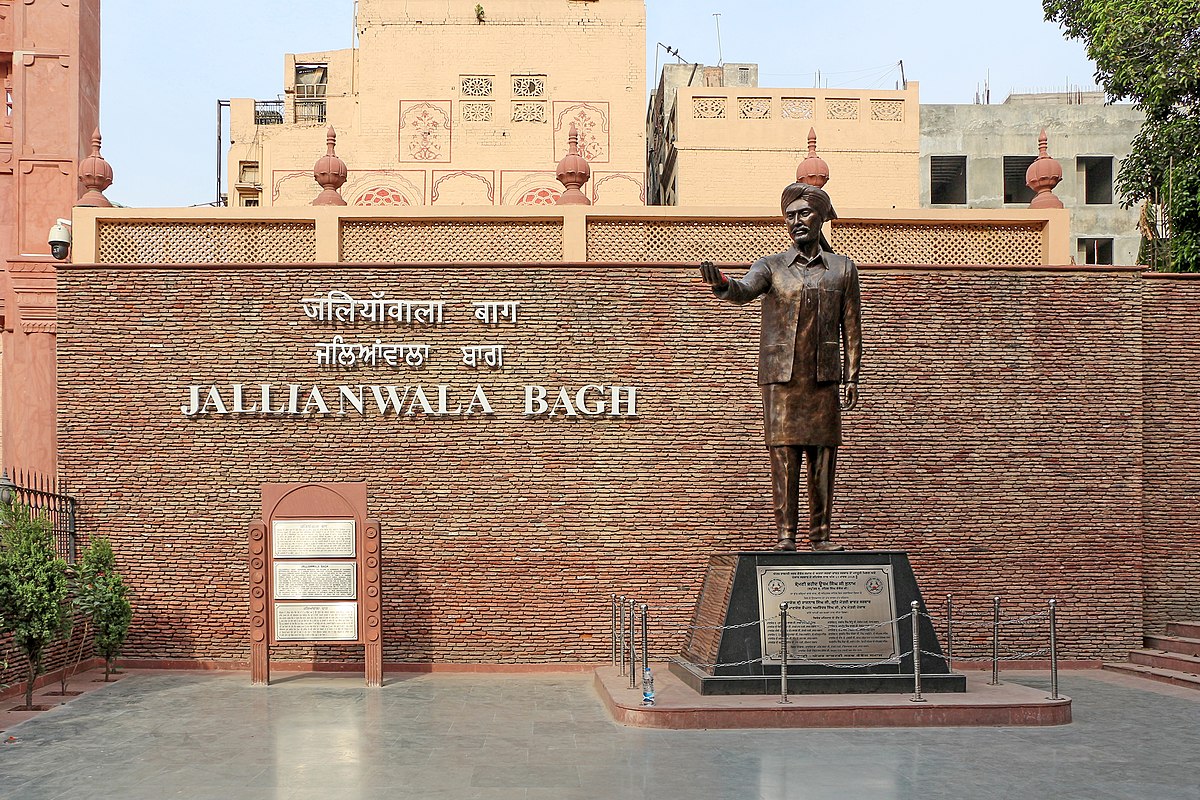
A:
811, 346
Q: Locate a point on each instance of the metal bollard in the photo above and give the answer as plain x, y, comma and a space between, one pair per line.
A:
1053, 654
995, 681
645, 646
916, 651
619, 619
950, 631
632, 648
783, 654
613, 607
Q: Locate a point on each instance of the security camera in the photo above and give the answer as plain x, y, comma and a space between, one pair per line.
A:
60, 239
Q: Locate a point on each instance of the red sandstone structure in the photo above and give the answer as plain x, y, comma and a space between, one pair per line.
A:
813, 170
573, 172
1042, 176
330, 173
50, 70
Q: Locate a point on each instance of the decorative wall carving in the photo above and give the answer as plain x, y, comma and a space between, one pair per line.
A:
754, 108
297, 187
841, 108
425, 130
460, 187
529, 188
618, 189
887, 110
475, 111
591, 120
475, 85
529, 85
796, 107
708, 107
529, 112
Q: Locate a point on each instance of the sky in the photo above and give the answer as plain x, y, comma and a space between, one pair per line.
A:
164, 65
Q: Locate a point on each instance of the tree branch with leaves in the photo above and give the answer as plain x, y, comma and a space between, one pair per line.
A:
1148, 51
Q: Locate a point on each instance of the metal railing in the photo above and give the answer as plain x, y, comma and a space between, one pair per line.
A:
624, 651
310, 110
268, 112
41, 496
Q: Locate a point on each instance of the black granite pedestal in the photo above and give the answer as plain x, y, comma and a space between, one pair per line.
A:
724, 652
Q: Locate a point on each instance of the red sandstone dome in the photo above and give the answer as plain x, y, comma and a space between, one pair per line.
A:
330, 173
1042, 176
813, 170
573, 173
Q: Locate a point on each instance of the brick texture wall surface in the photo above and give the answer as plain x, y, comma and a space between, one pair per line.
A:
1171, 460
997, 440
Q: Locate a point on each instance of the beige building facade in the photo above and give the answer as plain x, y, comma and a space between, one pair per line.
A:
455, 104
716, 137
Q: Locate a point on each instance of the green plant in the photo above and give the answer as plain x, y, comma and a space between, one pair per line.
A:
33, 587
1148, 51
101, 594
479, 13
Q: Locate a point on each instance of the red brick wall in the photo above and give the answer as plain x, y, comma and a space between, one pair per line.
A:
997, 440
1171, 458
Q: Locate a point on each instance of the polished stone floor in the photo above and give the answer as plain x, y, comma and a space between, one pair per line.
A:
461, 736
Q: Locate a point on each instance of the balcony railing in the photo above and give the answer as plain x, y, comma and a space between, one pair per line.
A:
268, 112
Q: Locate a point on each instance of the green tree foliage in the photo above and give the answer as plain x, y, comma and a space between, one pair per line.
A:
1148, 51
34, 587
101, 594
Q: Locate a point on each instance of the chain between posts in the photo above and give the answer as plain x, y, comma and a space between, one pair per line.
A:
623, 629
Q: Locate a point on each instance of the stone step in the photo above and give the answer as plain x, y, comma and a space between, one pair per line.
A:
1160, 659
1174, 644
1191, 630
1161, 675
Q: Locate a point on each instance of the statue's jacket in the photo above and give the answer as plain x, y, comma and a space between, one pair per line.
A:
780, 283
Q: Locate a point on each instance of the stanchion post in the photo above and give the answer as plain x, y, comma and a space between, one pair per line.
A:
950, 631
995, 681
613, 608
916, 651
1053, 653
645, 645
632, 648
783, 654
619, 620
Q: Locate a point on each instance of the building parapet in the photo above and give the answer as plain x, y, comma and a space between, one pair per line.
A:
330, 235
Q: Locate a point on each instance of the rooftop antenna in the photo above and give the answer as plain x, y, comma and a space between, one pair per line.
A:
717, 17
903, 80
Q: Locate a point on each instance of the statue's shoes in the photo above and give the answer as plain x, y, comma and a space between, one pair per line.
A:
786, 545
827, 546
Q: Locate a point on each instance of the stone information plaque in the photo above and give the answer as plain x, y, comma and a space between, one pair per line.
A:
312, 538
316, 580
316, 622
836, 615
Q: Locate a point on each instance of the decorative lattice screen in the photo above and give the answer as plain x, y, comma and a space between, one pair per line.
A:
265, 242
899, 243
387, 240
683, 240
867, 243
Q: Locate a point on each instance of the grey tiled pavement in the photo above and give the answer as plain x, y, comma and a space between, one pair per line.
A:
528, 737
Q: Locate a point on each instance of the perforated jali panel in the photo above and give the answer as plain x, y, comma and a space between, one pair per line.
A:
682, 240
267, 242
897, 243
867, 243
383, 240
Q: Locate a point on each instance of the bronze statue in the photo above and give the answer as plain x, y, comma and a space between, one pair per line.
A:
811, 343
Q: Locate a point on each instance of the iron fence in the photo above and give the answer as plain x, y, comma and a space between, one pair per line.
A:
268, 112
41, 495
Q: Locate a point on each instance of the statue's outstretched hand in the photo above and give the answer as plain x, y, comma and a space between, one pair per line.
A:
712, 276
849, 396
